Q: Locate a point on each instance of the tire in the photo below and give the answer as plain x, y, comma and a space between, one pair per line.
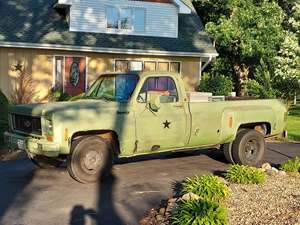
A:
90, 159
227, 150
249, 148
44, 162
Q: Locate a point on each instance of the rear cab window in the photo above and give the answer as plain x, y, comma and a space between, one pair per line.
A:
164, 85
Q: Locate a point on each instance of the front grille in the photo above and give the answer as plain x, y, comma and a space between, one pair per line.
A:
27, 124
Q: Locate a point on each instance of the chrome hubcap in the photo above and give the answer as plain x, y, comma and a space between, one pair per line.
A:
251, 148
92, 160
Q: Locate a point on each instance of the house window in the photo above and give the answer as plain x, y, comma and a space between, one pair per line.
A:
112, 16
125, 18
133, 65
58, 73
122, 65
136, 65
149, 66
126, 65
163, 66
175, 67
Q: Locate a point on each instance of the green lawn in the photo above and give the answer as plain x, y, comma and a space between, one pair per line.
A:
293, 124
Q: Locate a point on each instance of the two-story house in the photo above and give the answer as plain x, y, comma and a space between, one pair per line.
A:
53, 40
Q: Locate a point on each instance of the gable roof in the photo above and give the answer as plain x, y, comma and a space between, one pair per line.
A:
36, 24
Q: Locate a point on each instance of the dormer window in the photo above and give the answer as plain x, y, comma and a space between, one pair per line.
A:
125, 19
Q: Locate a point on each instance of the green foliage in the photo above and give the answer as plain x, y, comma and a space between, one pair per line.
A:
58, 96
292, 165
246, 32
75, 98
211, 11
199, 212
252, 30
287, 70
218, 85
293, 123
208, 187
245, 175
4, 107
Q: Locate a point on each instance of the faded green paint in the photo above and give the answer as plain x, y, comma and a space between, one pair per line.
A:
140, 130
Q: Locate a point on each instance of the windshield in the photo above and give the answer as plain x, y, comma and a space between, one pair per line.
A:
116, 87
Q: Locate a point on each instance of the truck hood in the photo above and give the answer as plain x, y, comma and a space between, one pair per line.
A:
47, 109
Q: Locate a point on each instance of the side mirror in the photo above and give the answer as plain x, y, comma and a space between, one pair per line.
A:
153, 100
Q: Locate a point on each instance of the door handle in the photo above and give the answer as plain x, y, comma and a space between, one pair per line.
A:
122, 112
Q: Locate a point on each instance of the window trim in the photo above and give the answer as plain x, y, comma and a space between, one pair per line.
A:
64, 69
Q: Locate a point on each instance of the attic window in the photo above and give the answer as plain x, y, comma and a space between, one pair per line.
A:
125, 18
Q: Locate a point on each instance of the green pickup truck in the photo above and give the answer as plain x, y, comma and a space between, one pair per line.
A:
127, 114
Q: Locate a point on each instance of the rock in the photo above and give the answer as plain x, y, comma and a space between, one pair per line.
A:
275, 170
281, 173
190, 196
271, 172
266, 166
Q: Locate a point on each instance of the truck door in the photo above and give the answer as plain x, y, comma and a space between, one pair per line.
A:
165, 128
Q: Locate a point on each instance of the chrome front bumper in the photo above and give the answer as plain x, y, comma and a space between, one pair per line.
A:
31, 145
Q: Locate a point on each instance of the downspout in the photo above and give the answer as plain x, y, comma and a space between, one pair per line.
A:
202, 68
207, 63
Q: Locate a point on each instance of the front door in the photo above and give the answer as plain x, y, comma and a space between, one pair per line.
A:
75, 75
165, 128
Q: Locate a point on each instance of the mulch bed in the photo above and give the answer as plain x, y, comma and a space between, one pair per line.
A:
276, 202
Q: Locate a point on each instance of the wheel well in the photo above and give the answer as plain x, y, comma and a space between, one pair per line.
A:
109, 136
264, 128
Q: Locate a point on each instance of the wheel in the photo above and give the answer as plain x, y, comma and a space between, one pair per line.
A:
227, 150
90, 159
44, 162
249, 148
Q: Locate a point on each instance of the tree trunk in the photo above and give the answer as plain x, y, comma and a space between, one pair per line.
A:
242, 72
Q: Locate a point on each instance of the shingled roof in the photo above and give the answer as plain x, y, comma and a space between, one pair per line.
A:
35, 23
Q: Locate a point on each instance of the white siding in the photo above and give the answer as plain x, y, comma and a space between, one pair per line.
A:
90, 16
65, 2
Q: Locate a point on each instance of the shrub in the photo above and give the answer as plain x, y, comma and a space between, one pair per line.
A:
199, 212
77, 97
24, 90
218, 85
208, 187
4, 106
292, 165
245, 175
257, 90
58, 96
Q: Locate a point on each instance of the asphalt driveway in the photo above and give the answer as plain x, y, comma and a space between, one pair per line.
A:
30, 196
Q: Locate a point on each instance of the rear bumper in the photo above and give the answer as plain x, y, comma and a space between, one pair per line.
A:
32, 146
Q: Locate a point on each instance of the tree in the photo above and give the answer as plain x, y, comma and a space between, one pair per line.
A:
251, 32
287, 70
